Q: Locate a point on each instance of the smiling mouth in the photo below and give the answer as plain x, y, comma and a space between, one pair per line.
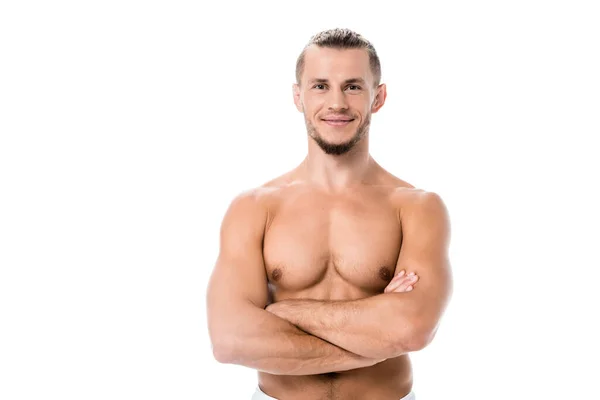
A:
337, 122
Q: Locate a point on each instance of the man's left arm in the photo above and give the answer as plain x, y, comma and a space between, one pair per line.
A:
390, 324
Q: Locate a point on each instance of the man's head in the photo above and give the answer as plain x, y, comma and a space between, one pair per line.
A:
337, 88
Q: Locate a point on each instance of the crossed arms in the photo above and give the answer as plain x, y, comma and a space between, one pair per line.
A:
303, 337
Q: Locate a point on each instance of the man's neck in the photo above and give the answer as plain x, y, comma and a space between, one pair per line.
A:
337, 172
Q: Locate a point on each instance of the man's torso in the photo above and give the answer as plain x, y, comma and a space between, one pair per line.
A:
341, 246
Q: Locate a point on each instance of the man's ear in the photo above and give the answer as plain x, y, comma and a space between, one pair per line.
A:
380, 96
297, 99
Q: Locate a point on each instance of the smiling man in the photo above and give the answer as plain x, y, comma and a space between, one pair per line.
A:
331, 274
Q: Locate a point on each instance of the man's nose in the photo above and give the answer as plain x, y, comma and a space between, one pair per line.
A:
338, 100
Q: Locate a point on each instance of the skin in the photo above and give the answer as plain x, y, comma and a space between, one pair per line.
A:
329, 275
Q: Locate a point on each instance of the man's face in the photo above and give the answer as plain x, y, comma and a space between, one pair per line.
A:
337, 96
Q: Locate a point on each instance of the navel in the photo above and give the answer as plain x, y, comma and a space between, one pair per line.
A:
385, 273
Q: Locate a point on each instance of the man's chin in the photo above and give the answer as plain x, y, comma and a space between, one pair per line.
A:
335, 148
338, 138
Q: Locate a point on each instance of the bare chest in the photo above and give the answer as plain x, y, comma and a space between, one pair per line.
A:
334, 248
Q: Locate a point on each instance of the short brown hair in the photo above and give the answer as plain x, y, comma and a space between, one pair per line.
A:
341, 38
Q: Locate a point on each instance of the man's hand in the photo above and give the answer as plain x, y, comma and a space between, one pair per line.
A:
271, 307
401, 283
284, 308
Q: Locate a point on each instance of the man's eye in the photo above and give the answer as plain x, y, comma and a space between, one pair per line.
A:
319, 86
354, 87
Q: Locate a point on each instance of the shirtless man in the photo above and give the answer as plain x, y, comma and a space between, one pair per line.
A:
313, 286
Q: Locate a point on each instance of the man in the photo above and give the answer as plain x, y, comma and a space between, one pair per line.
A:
313, 286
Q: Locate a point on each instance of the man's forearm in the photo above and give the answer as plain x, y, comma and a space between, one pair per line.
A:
368, 327
268, 343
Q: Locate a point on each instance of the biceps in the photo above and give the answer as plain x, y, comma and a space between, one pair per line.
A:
237, 279
432, 294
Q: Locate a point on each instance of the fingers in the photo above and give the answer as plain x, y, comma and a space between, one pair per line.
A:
399, 278
402, 283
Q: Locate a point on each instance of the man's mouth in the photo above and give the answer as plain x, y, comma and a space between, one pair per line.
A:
338, 121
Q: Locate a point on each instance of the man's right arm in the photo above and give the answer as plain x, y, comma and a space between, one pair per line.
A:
242, 332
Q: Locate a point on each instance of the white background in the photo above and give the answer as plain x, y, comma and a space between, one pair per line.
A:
128, 126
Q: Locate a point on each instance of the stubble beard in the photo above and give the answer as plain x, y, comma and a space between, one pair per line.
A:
338, 149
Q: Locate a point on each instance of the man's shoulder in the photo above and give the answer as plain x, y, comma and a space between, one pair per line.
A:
407, 196
419, 204
260, 197
251, 198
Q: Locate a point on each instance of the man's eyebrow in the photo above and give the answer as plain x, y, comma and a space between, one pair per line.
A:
351, 80
355, 80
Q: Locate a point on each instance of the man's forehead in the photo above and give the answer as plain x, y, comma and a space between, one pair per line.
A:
324, 60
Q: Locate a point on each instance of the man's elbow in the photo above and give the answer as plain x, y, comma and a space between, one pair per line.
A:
414, 339
221, 354
420, 340
221, 350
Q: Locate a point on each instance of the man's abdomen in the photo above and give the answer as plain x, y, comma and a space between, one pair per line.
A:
390, 379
